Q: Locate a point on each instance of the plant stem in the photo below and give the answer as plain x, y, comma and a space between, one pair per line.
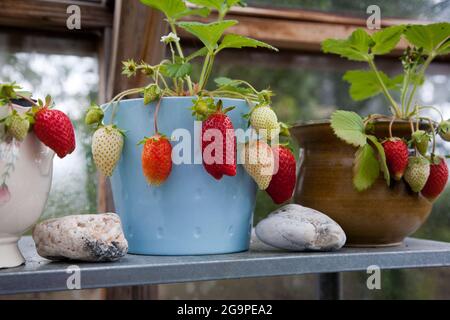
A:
155, 115
398, 112
435, 109
180, 53
27, 99
405, 88
204, 68
421, 74
208, 70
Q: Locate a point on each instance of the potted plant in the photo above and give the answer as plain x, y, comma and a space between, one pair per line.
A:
31, 132
378, 176
177, 179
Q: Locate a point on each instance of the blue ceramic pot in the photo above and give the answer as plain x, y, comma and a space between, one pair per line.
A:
191, 213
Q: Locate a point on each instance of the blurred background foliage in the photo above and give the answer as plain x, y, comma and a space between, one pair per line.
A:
307, 87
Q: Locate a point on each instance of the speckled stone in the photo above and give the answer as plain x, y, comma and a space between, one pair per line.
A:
296, 228
92, 237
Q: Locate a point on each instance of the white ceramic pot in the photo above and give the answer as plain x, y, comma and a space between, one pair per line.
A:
25, 180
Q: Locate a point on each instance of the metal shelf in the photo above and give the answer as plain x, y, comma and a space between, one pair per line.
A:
42, 275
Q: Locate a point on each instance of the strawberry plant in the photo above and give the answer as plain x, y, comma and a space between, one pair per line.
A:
390, 155
174, 76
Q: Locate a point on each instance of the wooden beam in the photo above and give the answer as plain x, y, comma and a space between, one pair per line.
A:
136, 35
298, 29
52, 15
314, 16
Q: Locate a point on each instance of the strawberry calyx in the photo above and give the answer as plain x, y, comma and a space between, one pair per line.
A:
157, 136
204, 107
112, 127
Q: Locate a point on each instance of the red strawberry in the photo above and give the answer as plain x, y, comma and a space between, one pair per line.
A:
156, 159
54, 129
282, 184
219, 157
396, 152
437, 180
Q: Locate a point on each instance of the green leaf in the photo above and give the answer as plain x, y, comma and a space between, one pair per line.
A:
171, 8
228, 84
364, 84
208, 33
366, 168
238, 41
349, 126
355, 47
199, 53
202, 12
381, 158
223, 81
211, 4
386, 39
177, 70
430, 37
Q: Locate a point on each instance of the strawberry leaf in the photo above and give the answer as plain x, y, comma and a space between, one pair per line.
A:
177, 69
170, 8
386, 39
211, 4
199, 53
381, 158
238, 42
366, 168
364, 84
356, 47
433, 38
349, 126
208, 33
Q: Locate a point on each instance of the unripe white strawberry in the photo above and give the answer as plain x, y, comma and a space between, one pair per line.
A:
417, 172
18, 126
107, 144
264, 120
259, 162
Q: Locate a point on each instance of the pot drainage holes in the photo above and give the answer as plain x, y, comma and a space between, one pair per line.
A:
160, 233
197, 232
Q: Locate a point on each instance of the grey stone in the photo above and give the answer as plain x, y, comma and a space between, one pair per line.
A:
296, 228
91, 237
258, 245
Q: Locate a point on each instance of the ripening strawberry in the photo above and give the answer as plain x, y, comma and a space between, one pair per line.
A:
437, 180
54, 129
417, 172
396, 152
107, 144
156, 159
264, 120
282, 184
259, 162
218, 139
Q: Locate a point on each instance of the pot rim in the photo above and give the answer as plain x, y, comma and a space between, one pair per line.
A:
174, 98
319, 122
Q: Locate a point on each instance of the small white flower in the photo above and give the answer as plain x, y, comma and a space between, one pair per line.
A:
171, 37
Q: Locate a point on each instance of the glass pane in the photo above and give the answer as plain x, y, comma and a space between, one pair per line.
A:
70, 80
413, 9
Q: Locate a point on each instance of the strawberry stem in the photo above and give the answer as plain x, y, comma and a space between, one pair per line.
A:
155, 116
27, 99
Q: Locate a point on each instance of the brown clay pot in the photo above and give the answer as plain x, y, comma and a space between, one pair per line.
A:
379, 216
